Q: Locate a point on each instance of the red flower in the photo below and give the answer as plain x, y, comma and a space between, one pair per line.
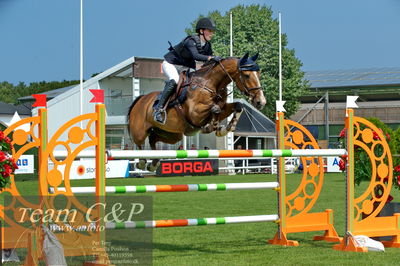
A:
2, 157
4, 174
397, 168
344, 157
1, 135
342, 165
376, 136
7, 140
398, 180
14, 165
342, 133
7, 169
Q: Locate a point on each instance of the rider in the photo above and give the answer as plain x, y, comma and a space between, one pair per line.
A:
193, 48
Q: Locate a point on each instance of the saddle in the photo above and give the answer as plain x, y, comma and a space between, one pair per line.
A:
179, 96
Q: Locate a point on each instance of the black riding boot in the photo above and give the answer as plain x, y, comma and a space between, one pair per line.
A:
170, 86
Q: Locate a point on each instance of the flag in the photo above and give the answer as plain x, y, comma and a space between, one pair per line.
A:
98, 96
40, 100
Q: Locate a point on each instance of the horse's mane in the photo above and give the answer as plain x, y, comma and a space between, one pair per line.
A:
210, 64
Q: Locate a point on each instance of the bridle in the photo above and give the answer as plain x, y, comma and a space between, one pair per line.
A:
240, 70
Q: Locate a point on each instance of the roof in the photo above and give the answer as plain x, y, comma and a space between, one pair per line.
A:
253, 123
49, 94
24, 109
9, 109
354, 77
6, 108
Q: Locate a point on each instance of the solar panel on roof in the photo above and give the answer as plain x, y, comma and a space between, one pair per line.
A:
354, 77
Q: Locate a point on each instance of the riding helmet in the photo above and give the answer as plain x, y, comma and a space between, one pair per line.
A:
205, 23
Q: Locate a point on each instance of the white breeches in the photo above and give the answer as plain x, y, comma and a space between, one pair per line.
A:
170, 71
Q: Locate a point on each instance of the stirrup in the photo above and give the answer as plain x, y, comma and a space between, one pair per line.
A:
163, 114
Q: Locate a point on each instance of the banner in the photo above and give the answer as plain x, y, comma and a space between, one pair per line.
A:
25, 164
187, 167
333, 165
86, 169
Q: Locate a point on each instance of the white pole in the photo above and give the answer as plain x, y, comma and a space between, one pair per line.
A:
280, 57
231, 51
81, 61
230, 137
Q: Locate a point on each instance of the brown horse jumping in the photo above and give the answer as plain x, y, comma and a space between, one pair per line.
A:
204, 107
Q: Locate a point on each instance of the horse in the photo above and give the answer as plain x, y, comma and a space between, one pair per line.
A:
203, 106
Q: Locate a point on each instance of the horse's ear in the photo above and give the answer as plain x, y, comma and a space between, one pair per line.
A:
244, 58
254, 57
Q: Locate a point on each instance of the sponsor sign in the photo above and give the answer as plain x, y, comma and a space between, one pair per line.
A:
187, 167
86, 169
25, 164
333, 165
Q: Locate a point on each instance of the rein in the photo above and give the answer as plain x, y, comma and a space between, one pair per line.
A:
242, 83
204, 85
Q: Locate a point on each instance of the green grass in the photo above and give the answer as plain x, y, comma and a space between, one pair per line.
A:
240, 244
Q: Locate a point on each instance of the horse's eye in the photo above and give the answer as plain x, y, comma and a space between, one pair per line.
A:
246, 76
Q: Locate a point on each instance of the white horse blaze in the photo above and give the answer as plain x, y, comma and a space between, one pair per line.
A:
263, 101
256, 77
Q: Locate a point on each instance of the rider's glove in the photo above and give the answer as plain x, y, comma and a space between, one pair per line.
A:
216, 59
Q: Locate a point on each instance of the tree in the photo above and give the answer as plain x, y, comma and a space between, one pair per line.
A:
10, 93
254, 30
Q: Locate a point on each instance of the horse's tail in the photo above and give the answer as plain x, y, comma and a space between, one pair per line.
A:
129, 114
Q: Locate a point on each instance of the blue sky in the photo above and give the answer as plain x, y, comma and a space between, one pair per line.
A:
39, 39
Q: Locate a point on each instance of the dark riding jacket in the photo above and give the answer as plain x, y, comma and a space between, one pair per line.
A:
188, 51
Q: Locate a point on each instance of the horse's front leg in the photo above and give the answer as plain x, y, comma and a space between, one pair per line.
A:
236, 108
213, 125
141, 165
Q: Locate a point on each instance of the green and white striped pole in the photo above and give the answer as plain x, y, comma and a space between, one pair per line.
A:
192, 222
173, 188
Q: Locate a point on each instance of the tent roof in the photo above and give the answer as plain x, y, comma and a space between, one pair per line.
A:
253, 123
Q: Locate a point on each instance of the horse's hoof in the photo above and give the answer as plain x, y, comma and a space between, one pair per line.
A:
141, 164
206, 129
221, 132
238, 107
152, 168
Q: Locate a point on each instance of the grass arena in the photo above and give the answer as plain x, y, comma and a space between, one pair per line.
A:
236, 244
260, 216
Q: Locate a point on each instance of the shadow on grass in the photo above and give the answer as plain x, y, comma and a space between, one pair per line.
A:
305, 242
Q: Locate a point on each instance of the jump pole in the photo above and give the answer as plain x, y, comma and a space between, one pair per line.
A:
174, 188
207, 154
193, 222
214, 154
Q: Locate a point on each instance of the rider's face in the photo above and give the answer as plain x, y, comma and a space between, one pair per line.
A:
208, 34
